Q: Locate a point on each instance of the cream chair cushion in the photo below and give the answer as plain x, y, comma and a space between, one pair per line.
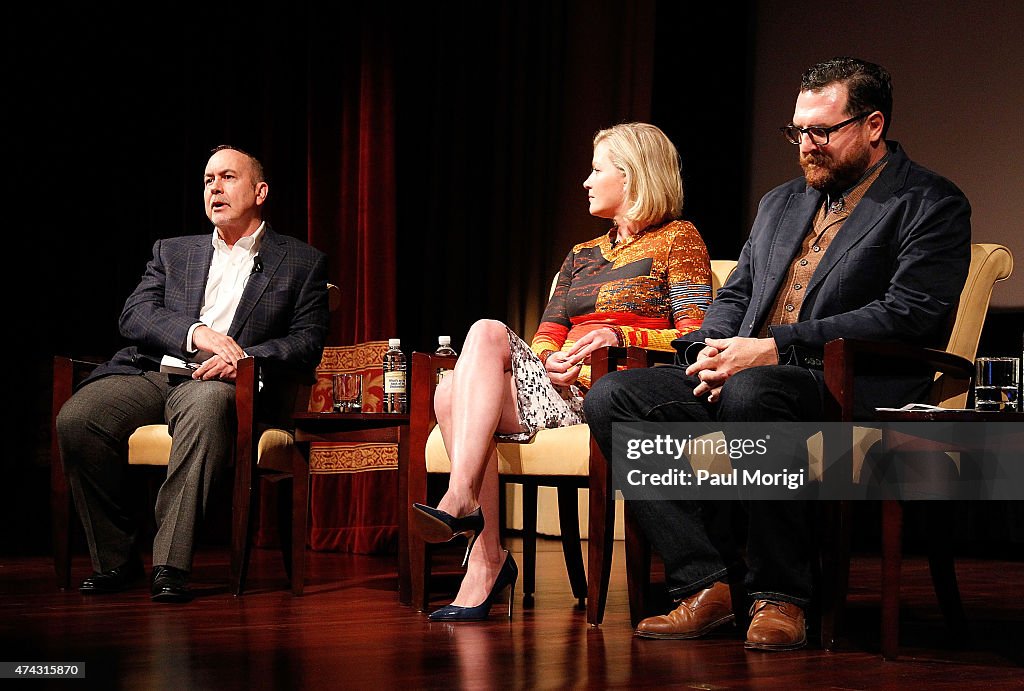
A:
275, 449
149, 445
562, 451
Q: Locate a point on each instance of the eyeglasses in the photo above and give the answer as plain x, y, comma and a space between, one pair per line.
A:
819, 135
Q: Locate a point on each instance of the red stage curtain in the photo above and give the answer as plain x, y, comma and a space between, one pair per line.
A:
357, 512
495, 141
351, 215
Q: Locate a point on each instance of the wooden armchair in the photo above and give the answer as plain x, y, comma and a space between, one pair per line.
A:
954, 368
259, 447
150, 446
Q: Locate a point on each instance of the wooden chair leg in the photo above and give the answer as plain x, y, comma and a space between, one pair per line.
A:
892, 549
418, 550
569, 527
243, 511
404, 573
835, 516
602, 532
284, 523
940, 520
835, 568
300, 517
419, 572
529, 542
638, 568
247, 538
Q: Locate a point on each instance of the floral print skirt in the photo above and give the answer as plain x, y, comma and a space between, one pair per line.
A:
541, 404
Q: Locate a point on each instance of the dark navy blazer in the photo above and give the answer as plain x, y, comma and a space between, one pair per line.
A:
894, 272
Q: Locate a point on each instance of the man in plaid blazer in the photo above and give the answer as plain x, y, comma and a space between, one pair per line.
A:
207, 300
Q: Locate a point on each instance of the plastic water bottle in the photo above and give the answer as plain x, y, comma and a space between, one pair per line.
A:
444, 347
396, 391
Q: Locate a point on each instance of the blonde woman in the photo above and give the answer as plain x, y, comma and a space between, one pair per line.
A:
644, 282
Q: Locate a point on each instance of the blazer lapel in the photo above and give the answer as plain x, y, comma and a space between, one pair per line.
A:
869, 211
199, 259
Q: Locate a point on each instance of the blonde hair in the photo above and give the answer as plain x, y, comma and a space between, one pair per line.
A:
650, 163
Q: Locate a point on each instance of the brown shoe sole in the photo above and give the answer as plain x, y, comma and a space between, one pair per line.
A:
431, 529
775, 646
730, 619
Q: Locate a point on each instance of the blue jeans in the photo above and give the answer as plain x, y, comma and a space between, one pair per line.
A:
688, 534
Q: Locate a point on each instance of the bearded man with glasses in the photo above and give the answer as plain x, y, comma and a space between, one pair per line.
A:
866, 245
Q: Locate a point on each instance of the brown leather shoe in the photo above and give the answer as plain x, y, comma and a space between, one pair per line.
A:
695, 616
776, 626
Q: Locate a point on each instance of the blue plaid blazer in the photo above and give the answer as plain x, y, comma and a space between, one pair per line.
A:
282, 315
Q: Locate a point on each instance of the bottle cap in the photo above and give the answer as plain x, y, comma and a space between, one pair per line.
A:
444, 340
394, 342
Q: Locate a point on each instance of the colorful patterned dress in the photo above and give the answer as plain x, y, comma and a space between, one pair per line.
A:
651, 289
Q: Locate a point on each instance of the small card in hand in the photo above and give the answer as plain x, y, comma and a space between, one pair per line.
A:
172, 365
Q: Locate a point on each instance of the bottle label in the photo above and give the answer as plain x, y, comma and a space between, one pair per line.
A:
441, 372
394, 382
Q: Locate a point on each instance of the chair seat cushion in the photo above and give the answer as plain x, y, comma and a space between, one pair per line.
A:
275, 450
561, 451
149, 445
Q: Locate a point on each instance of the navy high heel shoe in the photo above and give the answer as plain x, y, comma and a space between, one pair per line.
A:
508, 576
435, 525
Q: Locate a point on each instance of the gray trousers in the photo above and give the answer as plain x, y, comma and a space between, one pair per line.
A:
93, 429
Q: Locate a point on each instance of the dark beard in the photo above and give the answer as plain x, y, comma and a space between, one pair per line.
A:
823, 174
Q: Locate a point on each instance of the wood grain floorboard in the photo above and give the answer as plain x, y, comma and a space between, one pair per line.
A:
349, 632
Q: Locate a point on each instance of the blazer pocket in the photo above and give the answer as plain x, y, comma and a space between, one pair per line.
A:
865, 275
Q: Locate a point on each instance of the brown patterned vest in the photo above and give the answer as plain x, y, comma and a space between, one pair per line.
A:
826, 226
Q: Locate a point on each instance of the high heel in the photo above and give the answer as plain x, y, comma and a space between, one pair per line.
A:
435, 525
507, 577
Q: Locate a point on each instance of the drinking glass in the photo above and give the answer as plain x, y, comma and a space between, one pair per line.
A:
996, 384
348, 392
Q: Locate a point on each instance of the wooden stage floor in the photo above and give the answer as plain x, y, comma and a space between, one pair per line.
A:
349, 632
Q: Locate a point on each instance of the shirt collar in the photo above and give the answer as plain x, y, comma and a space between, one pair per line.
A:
250, 243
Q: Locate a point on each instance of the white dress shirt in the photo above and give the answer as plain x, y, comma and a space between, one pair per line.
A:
229, 272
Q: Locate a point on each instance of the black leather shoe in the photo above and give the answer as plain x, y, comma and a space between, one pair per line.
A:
170, 585
115, 580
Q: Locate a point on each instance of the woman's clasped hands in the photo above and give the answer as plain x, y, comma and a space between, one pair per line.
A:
564, 367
